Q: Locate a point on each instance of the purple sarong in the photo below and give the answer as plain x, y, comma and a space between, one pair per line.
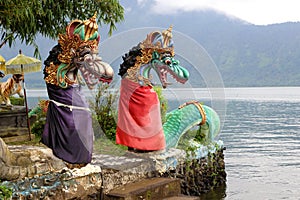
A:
68, 130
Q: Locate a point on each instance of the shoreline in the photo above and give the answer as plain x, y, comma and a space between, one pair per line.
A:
236, 93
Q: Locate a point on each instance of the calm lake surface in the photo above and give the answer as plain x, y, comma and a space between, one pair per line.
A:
261, 133
263, 150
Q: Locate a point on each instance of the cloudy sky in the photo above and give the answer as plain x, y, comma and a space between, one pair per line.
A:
259, 12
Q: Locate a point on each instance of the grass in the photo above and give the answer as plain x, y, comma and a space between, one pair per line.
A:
35, 141
103, 145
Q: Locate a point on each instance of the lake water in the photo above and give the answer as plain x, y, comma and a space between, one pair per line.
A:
261, 133
263, 149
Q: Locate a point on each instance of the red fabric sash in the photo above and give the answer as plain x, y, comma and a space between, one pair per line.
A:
139, 122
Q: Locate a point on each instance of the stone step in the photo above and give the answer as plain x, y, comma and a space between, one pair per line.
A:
150, 189
182, 197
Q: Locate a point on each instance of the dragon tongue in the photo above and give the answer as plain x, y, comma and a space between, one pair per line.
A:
166, 84
104, 80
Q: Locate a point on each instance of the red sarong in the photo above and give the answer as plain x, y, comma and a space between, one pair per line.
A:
139, 122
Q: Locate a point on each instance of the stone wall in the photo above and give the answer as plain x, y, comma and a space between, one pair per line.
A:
199, 176
85, 183
106, 172
13, 124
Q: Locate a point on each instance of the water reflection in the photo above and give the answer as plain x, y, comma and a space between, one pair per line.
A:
218, 193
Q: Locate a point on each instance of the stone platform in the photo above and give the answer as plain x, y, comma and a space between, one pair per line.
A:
197, 173
13, 124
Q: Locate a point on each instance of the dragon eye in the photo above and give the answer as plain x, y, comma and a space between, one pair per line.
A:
168, 61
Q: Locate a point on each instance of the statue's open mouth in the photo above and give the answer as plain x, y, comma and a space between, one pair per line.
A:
164, 70
92, 77
105, 79
93, 70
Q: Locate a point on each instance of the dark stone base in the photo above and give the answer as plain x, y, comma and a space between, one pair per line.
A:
200, 176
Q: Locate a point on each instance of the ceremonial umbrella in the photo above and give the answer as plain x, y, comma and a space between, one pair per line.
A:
23, 64
2, 63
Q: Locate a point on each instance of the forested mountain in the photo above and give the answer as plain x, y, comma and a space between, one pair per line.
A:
251, 55
245, 54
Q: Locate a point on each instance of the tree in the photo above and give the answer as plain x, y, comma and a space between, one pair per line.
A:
24, 19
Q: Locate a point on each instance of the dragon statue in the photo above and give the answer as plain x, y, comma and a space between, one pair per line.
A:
68, 130
139, 124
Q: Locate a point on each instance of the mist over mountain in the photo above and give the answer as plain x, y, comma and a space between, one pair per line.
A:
245, 54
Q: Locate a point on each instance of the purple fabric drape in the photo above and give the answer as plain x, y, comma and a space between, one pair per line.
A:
67, 132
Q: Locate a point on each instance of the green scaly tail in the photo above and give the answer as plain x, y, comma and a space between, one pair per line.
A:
180, 120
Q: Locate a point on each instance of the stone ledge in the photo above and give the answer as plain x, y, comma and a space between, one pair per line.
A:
66, 184
107, 172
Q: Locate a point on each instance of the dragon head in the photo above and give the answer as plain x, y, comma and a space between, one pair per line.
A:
78, 51
165, 64
91, 66
155, 52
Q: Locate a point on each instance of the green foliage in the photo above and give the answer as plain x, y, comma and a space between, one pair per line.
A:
17, 101
105, 113
5, 192
199, 135
163, 103
24, 19
202, 134
37, 127
104, 110
40, 112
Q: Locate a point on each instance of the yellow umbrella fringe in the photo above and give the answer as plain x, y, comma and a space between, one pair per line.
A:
16, 69
2, 66
2, 63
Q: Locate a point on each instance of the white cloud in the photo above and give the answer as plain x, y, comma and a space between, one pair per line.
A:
127, 9
141, 2
254, 11
173, 6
